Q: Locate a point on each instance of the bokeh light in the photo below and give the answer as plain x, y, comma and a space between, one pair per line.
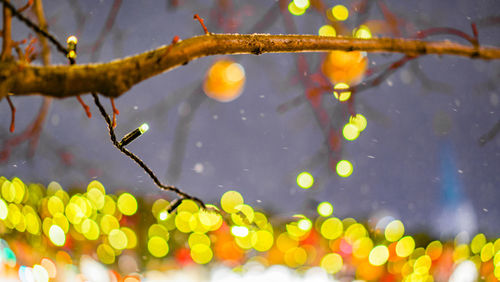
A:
294, 10
325, 209
230, 200
117, 239
379, 255
127, 204
158, 247
201, 254
332, 263
239, 231
340, 12
344, 67
262, 240
305, 180
49, 266
344, 168
327, 30
106, 254
301, 4
224, 81
57, 236
332, 228
342, 96
422, 265
405, 246
236, 235
477, 243
434, 250
40, 273
4, 211
362, 32
304, 224
359, 121
350, 132
394, 230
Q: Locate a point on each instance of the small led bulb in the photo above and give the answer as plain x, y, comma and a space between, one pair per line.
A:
71, 54
72, 41
134, 134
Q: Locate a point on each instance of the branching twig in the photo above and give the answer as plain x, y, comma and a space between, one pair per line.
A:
34, 26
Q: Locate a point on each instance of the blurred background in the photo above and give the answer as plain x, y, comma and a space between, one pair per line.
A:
425, 156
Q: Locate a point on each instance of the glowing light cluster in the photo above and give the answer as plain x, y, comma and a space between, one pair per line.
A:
98, 223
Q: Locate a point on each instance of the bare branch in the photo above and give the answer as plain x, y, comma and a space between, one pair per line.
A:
6, 33
114, 78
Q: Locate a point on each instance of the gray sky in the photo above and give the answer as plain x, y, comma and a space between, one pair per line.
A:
418, 159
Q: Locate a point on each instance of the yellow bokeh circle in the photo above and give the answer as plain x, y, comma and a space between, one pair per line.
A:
158, 247
127, 204
230, 200
344, 168
331, 263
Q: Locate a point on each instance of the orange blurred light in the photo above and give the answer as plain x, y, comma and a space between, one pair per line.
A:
224, 81
344, 67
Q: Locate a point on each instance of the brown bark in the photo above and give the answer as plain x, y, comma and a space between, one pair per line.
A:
114, 78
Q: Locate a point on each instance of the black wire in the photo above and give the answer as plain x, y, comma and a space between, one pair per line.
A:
131, 155
35, 27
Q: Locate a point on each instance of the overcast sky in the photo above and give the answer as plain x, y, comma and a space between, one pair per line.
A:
418, 159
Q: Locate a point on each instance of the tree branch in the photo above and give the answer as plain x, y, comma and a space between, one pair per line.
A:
6, 33
114, 78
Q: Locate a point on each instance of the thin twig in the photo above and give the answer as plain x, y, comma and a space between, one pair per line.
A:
115, 111
197, 17
34, 26
13, 117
